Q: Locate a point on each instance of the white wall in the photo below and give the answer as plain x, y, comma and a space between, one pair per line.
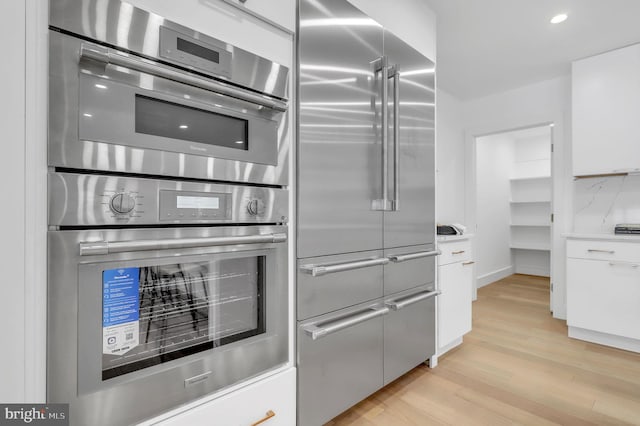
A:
495, 159
450, 170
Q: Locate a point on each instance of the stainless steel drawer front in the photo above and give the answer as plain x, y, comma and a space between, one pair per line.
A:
410, 267
339, 282
409, 332
317, 331
341, 368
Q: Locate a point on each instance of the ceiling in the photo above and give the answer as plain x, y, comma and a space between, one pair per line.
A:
490, 46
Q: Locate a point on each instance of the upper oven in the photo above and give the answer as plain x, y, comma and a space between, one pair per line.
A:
165, 101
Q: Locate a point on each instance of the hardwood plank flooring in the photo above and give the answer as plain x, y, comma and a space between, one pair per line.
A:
517, 366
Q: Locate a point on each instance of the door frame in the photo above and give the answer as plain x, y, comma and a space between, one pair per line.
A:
559, 206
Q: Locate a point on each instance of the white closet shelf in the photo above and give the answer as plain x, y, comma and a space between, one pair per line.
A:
531, 246
525, 179
532, 224
531, 202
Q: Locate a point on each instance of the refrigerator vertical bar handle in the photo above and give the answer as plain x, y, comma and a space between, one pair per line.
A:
396, 138
380, 66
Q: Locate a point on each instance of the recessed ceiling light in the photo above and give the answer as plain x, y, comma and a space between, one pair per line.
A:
184, 126
559, 18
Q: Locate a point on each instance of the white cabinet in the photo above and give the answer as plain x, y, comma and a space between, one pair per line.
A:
273, 398
603, 292
455, 281
606, 111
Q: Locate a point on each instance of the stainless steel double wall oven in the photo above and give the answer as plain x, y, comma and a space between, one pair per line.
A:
168, 205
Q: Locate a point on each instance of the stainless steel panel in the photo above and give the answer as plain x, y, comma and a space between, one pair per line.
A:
317, 295
68, 149
84, 200
414, 220
74, 329
400, 276
340, 369
120, 24
339, 162
409, 332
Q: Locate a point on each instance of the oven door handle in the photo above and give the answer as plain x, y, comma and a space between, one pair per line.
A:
104, 56
109, 247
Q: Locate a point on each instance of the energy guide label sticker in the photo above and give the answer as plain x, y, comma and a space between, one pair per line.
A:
120, 310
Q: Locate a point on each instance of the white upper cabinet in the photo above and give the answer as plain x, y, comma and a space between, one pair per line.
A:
606, 113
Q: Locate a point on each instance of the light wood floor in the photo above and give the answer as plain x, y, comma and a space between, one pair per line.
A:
517, 366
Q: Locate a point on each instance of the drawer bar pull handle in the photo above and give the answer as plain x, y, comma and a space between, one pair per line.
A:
269, 414
631, 265
601, 251
403, 303
457, 252
468, 263
320, 270
316, 332
405, 257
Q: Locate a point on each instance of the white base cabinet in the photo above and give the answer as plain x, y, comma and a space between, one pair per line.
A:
272, 399
603, 292
455, 281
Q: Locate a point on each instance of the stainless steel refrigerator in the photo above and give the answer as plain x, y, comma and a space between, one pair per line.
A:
366, 231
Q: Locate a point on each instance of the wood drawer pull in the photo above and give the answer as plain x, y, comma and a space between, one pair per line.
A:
457, 252
269, 414
468, 263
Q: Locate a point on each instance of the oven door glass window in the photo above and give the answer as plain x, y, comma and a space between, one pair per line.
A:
155, 314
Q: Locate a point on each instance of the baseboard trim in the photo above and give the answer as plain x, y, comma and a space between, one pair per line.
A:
619, 342
494, 276
533, 270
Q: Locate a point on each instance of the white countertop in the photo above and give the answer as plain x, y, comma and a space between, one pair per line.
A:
604, 237
445, 238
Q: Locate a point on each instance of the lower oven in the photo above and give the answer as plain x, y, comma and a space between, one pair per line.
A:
143, 318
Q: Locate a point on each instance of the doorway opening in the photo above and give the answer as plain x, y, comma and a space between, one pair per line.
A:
514, 211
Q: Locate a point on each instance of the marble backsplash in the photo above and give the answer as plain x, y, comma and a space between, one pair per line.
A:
602, 202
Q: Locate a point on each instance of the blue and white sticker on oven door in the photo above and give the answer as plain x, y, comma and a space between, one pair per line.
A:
120, 310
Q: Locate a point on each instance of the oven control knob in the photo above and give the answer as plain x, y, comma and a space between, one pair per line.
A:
253, 207
122, 203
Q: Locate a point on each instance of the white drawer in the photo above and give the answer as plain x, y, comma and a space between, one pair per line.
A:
603, 250
274, 395
454, 251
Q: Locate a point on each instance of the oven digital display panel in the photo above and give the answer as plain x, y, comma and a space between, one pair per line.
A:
192, 205
197, 50
190, 202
